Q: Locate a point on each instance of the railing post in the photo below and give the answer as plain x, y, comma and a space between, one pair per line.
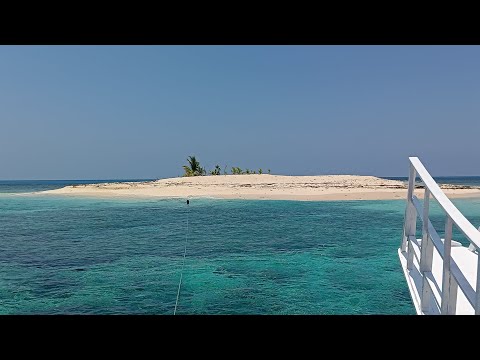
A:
449, 285
410, 255
427, 246
403, 243
477, 289
426, 254
472, 247
410, 224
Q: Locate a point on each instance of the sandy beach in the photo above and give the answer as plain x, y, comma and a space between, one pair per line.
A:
277, 187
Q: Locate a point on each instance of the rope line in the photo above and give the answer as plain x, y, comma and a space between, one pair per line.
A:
183, 263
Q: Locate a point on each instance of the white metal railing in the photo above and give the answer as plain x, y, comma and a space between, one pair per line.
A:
453, 278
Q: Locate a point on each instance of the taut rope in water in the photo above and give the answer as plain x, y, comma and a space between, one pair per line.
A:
183, 263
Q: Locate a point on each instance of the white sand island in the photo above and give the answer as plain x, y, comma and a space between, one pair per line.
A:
277, 187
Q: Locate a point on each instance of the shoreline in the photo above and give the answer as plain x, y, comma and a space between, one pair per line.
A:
262, 187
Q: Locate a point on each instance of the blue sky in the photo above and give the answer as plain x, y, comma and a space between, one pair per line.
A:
96, 112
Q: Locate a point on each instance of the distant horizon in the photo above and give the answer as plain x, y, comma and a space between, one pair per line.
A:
146, 179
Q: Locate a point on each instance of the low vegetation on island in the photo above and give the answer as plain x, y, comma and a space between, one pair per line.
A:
195, 169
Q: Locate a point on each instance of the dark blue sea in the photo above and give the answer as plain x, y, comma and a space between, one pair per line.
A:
79, 255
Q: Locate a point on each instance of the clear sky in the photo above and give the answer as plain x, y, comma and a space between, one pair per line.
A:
112, 112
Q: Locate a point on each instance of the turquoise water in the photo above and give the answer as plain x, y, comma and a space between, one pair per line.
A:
111, 256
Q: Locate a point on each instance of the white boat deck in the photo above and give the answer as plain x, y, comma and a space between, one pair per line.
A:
467, 263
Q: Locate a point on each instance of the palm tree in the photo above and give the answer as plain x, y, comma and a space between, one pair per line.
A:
194, 168
215, 171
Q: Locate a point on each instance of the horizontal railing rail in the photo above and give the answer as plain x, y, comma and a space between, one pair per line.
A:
457, 217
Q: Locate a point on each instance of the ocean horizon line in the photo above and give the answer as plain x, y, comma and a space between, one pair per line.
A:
126, 179
152, 179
